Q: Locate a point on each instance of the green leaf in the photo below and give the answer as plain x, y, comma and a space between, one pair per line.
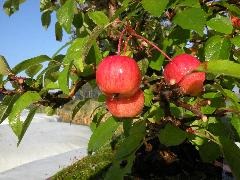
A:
143, 66
133, 141
117, 172
6, 106
65, 15
231, 7
148, 96
188, 17
33, 70
58, 32
99, 18
235, 121
21, 103
217, 47
231, 154
219, 22
236, 41
172, 135
223, 67
102, 134
46, 19
189, 3
30, 62
156, 61
209, 151
26, 124
155, 7
78, 107
45, 4
63, 78
75, 52
4, 67
11, 6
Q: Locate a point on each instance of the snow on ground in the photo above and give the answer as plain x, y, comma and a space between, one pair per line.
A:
46, 146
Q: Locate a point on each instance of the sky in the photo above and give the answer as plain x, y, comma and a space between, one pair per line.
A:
22, 35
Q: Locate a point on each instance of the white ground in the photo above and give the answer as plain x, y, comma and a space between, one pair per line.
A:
47, 147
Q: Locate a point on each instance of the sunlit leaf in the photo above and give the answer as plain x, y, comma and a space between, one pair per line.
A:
65, 15
217, 23
154, 7
4, 67
102, 134
221, 67
99, 18
26, 124
30, 62
217, 47
188, 17
21, 103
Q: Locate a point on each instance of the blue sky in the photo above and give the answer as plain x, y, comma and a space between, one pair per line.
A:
22, 35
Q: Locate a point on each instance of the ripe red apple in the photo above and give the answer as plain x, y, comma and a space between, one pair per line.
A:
235, 21
126, 107
118, 75
179, 71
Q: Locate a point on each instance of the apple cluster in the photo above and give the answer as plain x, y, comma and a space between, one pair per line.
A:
180, 71
119, 78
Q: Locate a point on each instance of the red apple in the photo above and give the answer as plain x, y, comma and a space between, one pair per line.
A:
235, 21
179, 71
118, 75
126, 107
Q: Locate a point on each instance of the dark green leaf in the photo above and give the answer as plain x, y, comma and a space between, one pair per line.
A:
188, 17
133, 141
148, 96
231, 154
45, 4
78, 20
33, 70
102, 134
99, 18
65, 15
4, 67
231, 7
172, 135
21, 103
155, 7
219, 22
63, 78
46, 19
235, 121
78, 107
209, 151
94, 56
236, 41
117, 172
223, 67
58, 32
217, 47
30, 62
26, 124
6, 106
11, 6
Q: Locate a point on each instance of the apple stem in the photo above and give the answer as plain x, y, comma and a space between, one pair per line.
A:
152, 44
126, 43
120, 42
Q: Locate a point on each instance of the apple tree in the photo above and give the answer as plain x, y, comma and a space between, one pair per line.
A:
166, 71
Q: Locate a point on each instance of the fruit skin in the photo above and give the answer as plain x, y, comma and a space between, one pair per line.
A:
126, 107
179, 71
118, 75
235, 21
